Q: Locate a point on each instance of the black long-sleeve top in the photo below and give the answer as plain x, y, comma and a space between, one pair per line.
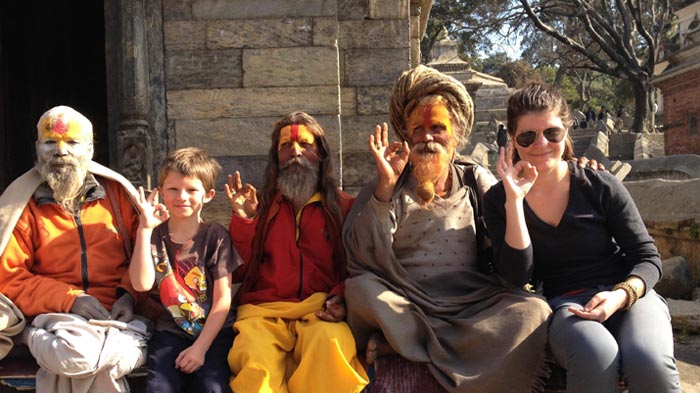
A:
600, 240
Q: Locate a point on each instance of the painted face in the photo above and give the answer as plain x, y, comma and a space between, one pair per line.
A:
541, 152
184, 196
296, 140
62, 135
430, 122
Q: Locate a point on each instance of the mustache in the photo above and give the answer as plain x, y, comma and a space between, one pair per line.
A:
300, 161
428, 148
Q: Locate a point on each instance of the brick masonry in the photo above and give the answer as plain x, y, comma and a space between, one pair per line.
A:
682, 113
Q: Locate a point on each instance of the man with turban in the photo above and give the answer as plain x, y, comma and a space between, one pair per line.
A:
65, 236
418, 286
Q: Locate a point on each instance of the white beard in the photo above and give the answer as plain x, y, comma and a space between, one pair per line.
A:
298, 180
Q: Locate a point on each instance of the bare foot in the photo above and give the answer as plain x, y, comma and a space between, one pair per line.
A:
377, 346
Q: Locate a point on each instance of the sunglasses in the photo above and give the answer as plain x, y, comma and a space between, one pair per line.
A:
553, 135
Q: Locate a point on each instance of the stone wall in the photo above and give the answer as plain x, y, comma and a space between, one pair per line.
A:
232, 68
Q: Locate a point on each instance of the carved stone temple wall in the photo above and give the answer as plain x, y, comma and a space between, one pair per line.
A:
216, 74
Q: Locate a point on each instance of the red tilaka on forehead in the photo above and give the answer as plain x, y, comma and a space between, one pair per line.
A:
294, 134
59, 126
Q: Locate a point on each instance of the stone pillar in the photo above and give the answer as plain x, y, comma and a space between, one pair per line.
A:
133, 140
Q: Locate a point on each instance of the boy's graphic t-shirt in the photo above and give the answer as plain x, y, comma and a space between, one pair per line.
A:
185, 275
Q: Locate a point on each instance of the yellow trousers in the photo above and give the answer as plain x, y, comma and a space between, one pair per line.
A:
283, 347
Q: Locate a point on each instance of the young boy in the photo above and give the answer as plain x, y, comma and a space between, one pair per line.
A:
186, 264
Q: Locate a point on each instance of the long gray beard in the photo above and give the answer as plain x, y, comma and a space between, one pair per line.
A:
298, 180
65, 177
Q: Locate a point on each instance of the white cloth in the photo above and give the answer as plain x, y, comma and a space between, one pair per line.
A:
80, 356
12, 323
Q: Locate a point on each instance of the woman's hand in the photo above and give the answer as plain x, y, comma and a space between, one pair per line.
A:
243, 199
391, 159
153, 213
601, 306
517, 179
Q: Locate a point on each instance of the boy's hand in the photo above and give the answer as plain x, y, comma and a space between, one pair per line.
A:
152, 212
243, 199
191, 359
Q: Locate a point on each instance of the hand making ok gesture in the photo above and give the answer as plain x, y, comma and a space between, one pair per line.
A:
391, 159
243, 198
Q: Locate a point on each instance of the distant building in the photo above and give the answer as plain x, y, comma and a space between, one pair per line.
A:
679, 82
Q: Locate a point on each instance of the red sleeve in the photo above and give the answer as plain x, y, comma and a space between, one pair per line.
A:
242, 231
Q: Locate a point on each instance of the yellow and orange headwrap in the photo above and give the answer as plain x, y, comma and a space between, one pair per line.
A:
63, 122
295, 133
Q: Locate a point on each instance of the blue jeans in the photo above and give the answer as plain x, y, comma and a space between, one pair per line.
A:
163, 377
637, 344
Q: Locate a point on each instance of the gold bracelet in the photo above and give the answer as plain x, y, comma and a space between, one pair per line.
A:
631, 293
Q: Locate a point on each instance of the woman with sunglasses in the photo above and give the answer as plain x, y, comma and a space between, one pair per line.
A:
578, 233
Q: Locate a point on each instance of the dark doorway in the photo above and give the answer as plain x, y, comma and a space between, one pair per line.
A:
51, 53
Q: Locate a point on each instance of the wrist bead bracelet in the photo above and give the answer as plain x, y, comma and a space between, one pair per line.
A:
631, 293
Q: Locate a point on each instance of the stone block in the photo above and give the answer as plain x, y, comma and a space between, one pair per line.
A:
685, 315
325, 32
666, 201
675, 167
184, 35
192, 69
373, 100
480, 154
269, 33
260, 9
242, 136
601, 142
348, 101
677, 281
358, 169
251, 102
352, 9
373, 34
306, 66
388, 9
357, 129
372, 67
177, 10
222, 137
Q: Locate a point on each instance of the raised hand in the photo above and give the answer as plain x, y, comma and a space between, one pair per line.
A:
391, 159
517, 179
153, 213
243, 198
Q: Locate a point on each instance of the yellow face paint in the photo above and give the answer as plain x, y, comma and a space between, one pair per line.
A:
63, 131
61, 128
427, 117
295, 134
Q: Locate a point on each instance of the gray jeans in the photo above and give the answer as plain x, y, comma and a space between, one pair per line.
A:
637, 344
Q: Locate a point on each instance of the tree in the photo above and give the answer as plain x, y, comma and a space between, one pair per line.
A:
619, 38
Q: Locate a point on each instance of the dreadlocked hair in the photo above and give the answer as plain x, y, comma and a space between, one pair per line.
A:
415, 84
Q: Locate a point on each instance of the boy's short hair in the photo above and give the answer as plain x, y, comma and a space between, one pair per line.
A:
191, 162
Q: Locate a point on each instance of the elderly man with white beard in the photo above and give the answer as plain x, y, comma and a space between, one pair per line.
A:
291, 334
418, 287
66, 228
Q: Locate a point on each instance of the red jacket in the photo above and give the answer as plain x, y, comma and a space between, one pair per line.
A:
282, 267
51, 258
